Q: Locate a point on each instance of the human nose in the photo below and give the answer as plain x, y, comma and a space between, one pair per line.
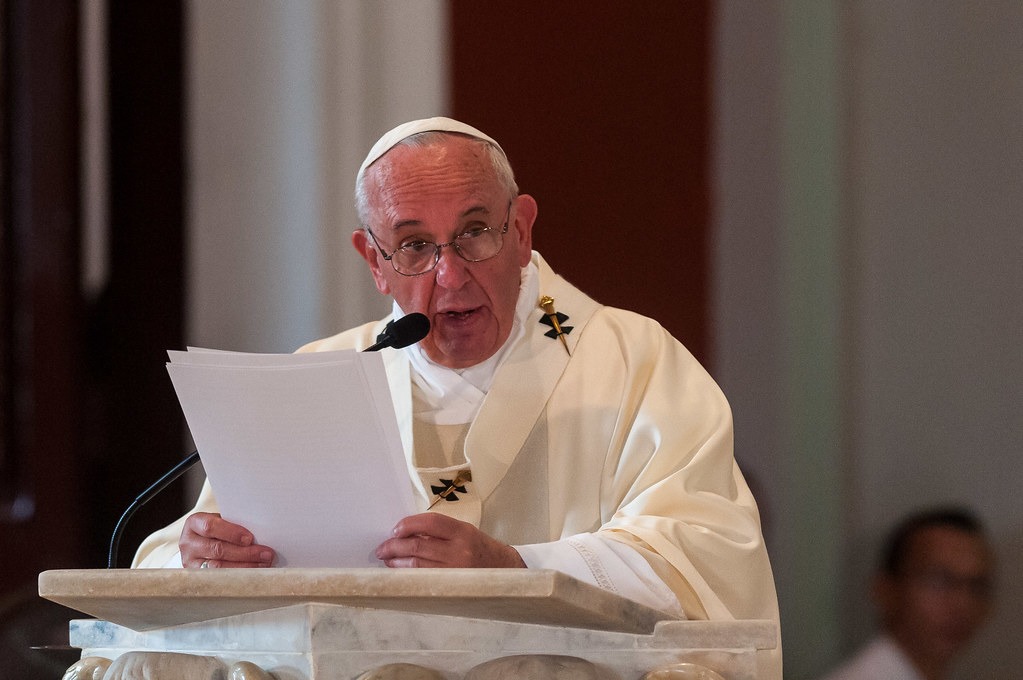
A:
451, 268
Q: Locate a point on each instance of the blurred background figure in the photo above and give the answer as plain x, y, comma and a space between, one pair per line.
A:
933, 591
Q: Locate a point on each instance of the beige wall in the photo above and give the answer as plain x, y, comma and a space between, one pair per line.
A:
890, 220
284, 100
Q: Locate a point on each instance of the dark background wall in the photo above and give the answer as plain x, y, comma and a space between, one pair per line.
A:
86, 413
604, 109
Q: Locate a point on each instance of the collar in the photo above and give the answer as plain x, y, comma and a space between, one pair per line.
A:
453, 396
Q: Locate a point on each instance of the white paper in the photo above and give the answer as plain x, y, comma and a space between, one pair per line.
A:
301, 449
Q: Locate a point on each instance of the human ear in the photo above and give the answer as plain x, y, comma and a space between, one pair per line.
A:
525, 216
364, 246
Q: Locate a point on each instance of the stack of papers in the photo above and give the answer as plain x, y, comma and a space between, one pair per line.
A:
301, 449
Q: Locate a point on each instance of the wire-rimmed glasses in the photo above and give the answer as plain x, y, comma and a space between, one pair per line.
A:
416, 256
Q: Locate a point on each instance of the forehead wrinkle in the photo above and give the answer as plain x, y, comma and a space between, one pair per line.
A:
403, 206
408, 175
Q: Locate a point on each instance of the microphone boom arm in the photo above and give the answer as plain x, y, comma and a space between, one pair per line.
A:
143, 498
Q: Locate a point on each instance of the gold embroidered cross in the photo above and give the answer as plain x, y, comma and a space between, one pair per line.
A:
547, 305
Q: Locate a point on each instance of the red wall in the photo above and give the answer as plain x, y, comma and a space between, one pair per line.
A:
604, 110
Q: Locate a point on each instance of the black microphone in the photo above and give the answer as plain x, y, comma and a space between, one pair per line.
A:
399, 333
402, 332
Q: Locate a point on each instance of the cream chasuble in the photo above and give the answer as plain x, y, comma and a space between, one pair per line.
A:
613, 463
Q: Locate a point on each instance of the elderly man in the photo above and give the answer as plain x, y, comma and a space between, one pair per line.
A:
933, 592
549, 431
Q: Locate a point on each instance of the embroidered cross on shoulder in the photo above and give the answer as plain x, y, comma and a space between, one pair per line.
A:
450, 488
554, 319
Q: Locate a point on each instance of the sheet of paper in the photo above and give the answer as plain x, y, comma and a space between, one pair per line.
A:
302, 449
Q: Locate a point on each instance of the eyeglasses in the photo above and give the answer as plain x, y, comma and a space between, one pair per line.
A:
475, 244
945, 582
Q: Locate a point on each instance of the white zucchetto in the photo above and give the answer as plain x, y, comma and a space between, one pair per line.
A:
435, 124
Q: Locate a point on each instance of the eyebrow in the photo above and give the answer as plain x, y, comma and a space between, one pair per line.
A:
466, 213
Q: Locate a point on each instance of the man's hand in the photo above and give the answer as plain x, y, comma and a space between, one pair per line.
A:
208, 538
434, 540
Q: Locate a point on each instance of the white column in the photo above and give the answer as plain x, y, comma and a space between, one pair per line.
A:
867, 291
284, 99
778, 298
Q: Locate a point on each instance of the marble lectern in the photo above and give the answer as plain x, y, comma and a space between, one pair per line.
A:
342, 624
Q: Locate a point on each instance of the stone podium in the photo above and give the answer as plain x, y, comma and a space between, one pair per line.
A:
341, 624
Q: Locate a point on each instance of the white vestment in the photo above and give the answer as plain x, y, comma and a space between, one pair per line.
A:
881, 659
622, 449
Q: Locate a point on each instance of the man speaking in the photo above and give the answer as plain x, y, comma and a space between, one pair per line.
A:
542, 429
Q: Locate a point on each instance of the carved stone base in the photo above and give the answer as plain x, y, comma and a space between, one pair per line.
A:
337, 642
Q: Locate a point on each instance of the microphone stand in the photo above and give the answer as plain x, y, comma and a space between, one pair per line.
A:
143, 498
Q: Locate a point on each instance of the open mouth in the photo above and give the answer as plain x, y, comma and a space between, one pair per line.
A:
458, 315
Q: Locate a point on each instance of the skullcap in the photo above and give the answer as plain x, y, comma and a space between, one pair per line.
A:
405, 130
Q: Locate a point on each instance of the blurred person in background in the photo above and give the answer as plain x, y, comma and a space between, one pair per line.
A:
933, 591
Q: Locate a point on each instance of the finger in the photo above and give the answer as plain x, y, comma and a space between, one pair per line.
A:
223, 554
197, 546
211, 525
224, 564
429, 524
420, 550
216, 555
412, 563
400, 553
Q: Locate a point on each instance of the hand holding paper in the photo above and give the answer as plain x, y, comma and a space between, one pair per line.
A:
300, 449
434, 540
209, 540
